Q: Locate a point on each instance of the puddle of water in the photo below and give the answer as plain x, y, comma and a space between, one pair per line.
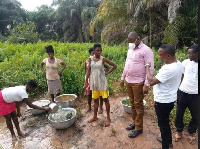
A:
40, 136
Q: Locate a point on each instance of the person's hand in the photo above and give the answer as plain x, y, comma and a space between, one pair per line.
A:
60, 73
148, 64
122, 84
84, 87
145, 89
19, 114
47, 109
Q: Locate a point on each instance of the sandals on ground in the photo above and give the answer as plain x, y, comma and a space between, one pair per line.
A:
177, 137
192, 140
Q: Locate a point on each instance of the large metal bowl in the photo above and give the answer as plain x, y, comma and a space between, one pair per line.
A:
126, 108
39, 103
64, 124
60, 100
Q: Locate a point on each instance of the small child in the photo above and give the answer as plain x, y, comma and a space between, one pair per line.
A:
88, 92
98, 81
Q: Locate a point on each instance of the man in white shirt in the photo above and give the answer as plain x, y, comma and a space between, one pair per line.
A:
188, 95
165, 88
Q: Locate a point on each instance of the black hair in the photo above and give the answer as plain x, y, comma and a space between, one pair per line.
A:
32, 83
49, 49
133, 35
91, 49
194, 48
169, 49
97, 45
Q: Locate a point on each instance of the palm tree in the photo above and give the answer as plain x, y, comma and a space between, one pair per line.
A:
72, 18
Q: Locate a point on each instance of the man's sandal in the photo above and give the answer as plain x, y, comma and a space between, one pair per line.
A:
192, 140
177, 137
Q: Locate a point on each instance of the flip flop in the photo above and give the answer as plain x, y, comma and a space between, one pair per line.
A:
177, 138
192, 140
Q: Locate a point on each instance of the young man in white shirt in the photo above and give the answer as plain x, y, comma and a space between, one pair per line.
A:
165, 87
188, 95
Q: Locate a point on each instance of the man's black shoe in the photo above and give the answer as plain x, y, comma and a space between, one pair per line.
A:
130, 127
134, 133
160, 140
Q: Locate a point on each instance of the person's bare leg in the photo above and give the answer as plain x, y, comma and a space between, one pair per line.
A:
16, 122
107, 104
52, 97
96, 105
101, 106
89, 99
58, 94
10, 126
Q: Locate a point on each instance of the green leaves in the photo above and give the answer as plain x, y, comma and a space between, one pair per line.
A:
21, 62
24, 32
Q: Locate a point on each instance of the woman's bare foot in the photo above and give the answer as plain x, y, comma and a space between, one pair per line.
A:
14, 138
108, 121
89, 110
100, 111
21, 134
92, 120
177, 137
191, 139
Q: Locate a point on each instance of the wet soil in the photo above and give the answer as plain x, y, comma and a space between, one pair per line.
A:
89, 136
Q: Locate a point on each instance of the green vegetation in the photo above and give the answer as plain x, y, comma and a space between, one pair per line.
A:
106, 21
21, 62
69, 116
24, 32
186, 119
126, 102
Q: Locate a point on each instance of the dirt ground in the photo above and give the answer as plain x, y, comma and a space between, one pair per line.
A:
88, 136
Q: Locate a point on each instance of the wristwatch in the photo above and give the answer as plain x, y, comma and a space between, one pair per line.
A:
147, 84
147, 65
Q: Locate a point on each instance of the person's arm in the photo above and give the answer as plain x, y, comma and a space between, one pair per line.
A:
149, 58
87, 74
151, 79
182, 78
63, 67
41, 66
122, 78
114, 66
107, 67
17, 105
124, 72
29, 103
85, 67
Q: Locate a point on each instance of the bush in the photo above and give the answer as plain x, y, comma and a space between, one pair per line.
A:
21, 62
24, 32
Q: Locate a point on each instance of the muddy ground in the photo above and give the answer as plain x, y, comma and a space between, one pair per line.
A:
89, 136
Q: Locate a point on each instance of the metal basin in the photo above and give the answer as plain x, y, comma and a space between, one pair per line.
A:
40, 103
63, 124
126, 108
66, 100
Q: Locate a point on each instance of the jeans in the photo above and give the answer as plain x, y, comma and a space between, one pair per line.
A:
189, 101
163, 111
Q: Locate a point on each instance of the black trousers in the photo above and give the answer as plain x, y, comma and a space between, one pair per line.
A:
189, 101
163, 111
